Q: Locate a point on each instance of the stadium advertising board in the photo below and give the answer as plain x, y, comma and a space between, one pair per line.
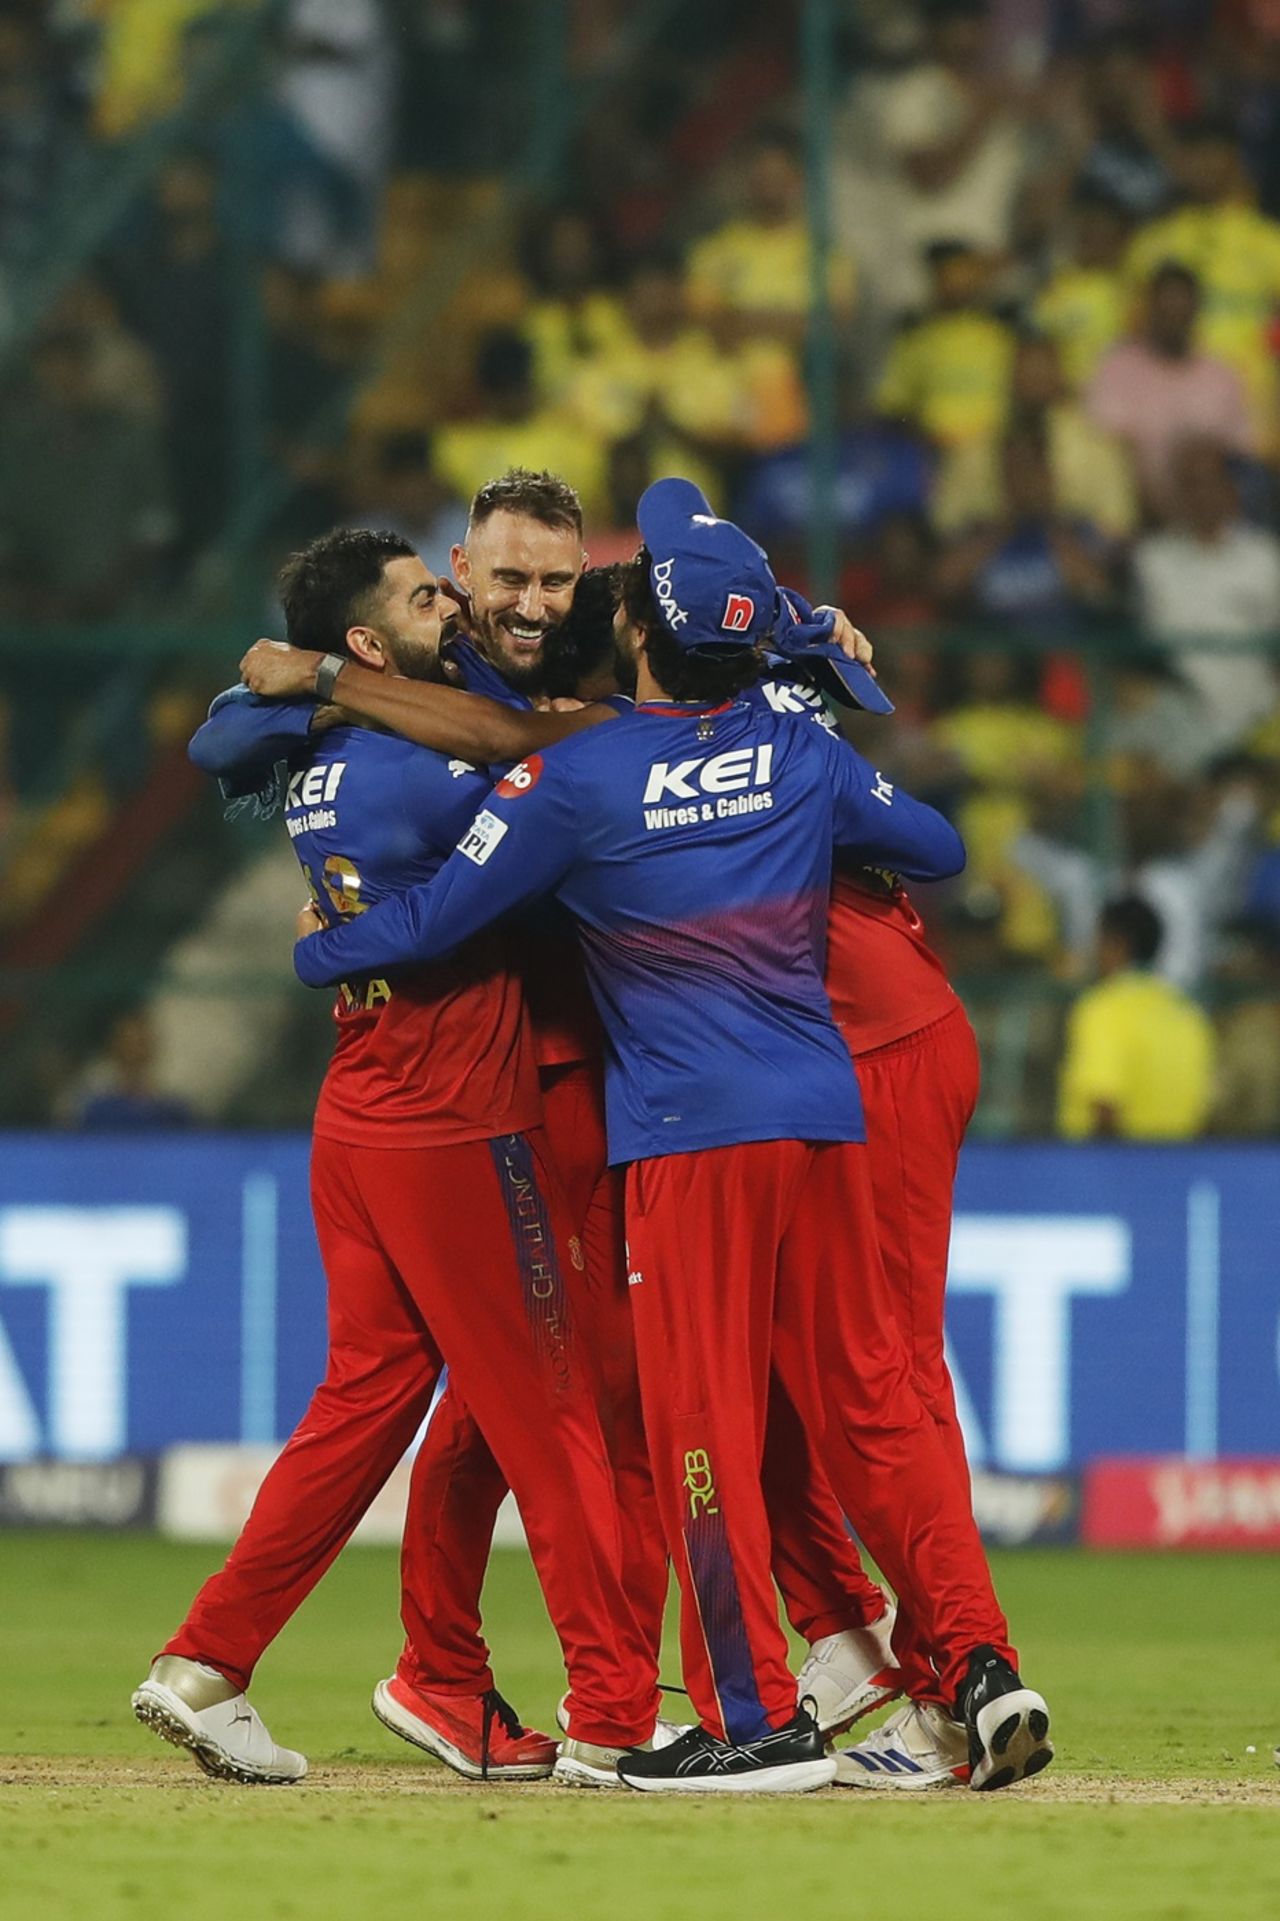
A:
1104, 1302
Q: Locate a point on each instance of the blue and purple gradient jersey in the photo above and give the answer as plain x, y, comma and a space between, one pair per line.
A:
693, 846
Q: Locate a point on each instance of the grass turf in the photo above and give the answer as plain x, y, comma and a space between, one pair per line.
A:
1161, 1671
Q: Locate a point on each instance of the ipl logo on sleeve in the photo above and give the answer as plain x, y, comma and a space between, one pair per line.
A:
484, 834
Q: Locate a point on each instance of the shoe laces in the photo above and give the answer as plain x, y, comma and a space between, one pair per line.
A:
494, 1708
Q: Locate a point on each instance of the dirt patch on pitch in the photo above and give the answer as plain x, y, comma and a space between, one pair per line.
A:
77, 1775
1072, 1789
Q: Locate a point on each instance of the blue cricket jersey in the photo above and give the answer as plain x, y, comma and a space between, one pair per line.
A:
444, 1056
693, 846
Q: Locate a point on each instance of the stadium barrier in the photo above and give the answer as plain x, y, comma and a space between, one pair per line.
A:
1107, 1305
1174, 1503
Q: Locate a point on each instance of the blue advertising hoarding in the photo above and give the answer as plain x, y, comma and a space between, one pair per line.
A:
1104, 1300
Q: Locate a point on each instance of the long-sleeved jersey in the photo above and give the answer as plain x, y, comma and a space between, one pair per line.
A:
884, 980
445, 1055
693, 846
245, 737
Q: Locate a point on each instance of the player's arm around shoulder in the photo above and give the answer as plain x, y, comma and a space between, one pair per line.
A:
881, 822
245, 731
518, 847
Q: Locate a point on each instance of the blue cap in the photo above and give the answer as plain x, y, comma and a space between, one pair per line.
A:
803, 639
713, 585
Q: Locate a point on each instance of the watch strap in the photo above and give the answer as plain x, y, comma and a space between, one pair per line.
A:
327, 673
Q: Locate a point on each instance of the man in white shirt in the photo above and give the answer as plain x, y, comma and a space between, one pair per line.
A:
954, 150
1208, 575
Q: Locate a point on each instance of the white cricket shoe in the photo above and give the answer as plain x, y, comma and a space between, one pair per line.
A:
850, 1674
919, 1746
582, 1764
196, 1708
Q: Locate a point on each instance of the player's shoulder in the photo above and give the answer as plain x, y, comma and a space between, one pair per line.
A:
791, 699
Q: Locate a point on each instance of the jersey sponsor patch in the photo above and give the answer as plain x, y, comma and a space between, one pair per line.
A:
740, 611
484, 834
791, 697
738, 780
521, 779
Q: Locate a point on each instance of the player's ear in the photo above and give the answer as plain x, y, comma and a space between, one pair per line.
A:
366, 647
460, 565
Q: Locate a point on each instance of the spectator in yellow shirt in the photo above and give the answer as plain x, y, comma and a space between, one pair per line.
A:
1089, 468
573, 314
684, 404
141, 72
1139, 1061
949, 374
1085, 303
1234, 251
1007, 750
754, 271
511, 429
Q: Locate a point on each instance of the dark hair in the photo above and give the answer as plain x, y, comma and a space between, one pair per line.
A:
504, 361
583, 642
325, 588
1168, 270
774, 137
939, 252
660, 258
541, 496
404, 450
687, 674
1135, 922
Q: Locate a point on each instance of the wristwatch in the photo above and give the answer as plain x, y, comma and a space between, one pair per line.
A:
326, 674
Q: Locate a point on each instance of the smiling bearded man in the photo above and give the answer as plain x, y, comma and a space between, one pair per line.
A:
520, 562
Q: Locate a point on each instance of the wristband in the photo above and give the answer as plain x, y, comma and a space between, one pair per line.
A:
327, 673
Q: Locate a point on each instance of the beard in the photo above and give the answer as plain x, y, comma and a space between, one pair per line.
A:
523, 669
416, 662
625, 671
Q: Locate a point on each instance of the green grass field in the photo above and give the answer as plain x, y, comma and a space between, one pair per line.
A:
1161, 1672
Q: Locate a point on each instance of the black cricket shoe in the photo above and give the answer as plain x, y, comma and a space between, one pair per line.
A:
791, 1760
1008, 1724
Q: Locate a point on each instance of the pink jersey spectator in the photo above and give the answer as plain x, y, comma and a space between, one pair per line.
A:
1153, 400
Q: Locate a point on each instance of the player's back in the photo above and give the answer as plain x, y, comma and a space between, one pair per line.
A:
700, 887
443, 1054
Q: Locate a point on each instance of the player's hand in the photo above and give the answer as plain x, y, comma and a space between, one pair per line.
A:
309, 922
278, 671
329, 714
849, 639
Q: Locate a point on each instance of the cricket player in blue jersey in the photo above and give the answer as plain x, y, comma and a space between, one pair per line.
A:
692, 841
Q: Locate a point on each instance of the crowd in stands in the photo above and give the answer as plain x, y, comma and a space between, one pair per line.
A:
1055, 296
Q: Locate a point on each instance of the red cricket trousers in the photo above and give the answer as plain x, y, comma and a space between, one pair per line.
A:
762, 1259
457, 1486
435, 1255
918, 1096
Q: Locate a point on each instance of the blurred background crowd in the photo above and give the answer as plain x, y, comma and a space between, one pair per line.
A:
968, 309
